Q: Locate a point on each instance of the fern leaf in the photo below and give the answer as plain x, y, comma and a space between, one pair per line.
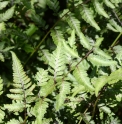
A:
87, 118
14, 107
102, 53
69, 50
15, 96
57, 35
99, 83
53, 4
99, 9
57, 61
7, 15
3, 4
13, 121
75, 24
100, 61
31, 30
110, 27
42, 77
46, 121
2, 57
19, 75
60, 98
71, 39
109, 4
1, 86
104, 108
2, 114
87, 15
39, 110
116, 26
2, 27
47, 89
118, 51
115, 76
44, 55
83, 79
98, 42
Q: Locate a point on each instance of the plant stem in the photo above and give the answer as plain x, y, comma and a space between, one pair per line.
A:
115, 41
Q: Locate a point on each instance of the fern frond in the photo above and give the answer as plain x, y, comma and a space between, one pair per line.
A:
109, 4
115, 76
47, 89
71, 39
44, 55
42, 77
88, 16
60, 98
31, 30
100, 52
39, 110
116, 26
99, 83
75, 24
15, 107
104, 108
83, 79
87, 118
53, 4
57, 35
3, 4
98, 42
23, 87
7, 15
2, 27
57, 62
72, 52
2, 57
118, 51
110, 27
13, 121
100, 61
2, 114
99, 9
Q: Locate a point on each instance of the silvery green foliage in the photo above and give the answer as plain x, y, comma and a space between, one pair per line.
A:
77, 68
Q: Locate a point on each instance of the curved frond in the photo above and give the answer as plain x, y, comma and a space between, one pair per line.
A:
115, 76
2, 114
53, 4
99, 83
42, 77
7, 15
57, 62
115, 25
100, 61
47, 89
83, 79
99, 9
39, 110
109, 4
3, 4
88, 16
60, 98
23, 87
13, 121
104, 108
100, 52
75, 24
57, 35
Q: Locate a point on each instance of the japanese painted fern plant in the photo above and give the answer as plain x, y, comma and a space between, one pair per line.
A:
78, 70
